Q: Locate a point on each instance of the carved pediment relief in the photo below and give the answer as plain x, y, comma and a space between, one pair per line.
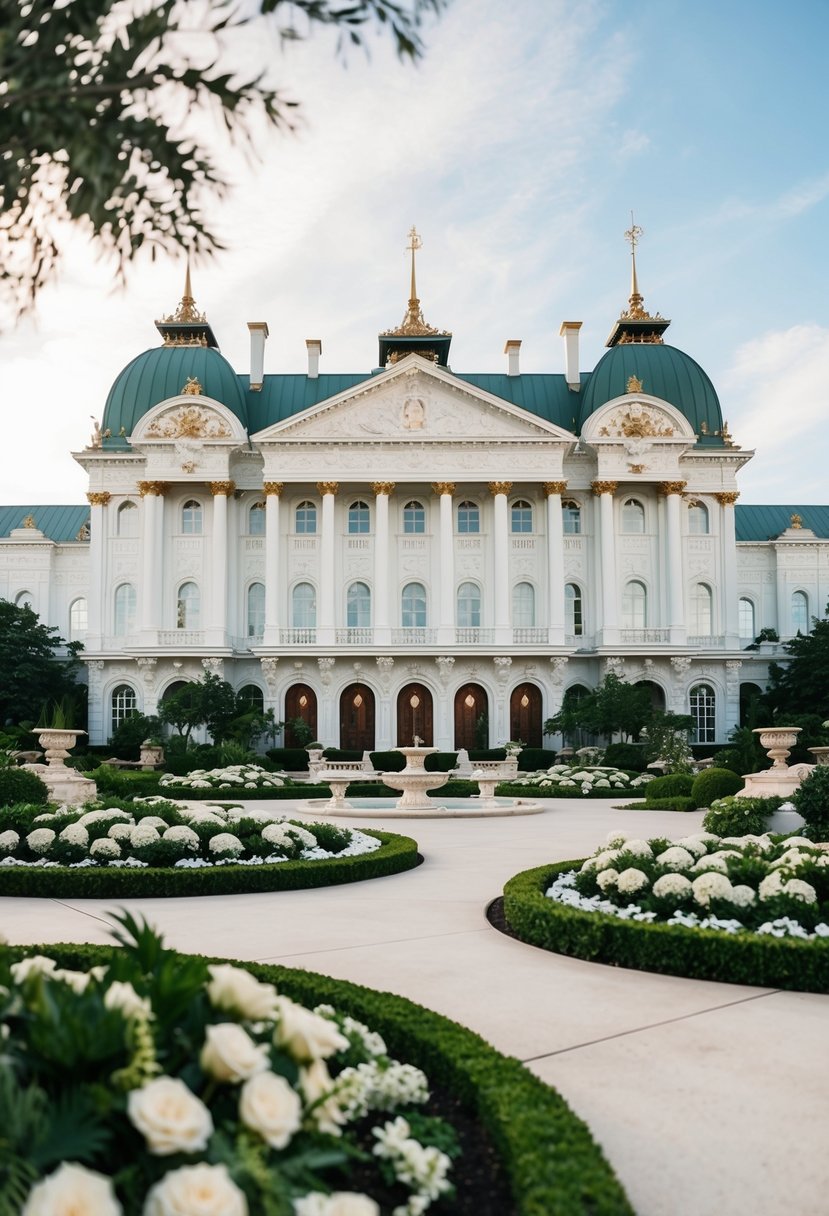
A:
638, 423
184, 422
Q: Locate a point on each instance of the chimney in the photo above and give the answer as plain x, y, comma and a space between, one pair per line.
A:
258, 334
314, 346
513, 349
570, 332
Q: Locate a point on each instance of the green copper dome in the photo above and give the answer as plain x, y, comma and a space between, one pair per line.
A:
162, 372
664, 372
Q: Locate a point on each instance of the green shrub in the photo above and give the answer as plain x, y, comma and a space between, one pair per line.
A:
288, 759
492, 753
126, 783
339, 753
740, 816
128, 736
182, 763
812, 801
388, 762
21, 785
715, 783
627, 756
666, 787
532, 759
441, 762
672, 802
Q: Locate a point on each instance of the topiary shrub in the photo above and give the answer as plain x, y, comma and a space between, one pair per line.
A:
715, 783
740, 816
21, 785
288, 759
533, 759
440, 762
674, 784
812, 801
388, 762
626, 755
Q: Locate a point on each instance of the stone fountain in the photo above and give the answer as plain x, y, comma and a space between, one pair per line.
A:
414, 780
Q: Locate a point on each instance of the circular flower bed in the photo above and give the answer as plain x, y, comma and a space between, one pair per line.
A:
574, 781
140, 1082
234, 776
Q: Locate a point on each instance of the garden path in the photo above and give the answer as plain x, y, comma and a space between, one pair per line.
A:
707, 1098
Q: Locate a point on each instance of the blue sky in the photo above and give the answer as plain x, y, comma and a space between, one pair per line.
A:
518, 147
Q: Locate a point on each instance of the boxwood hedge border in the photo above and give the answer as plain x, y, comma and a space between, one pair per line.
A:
701, 954
553, 1164
396, 854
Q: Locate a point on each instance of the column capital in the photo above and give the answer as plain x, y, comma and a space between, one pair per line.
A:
666, 488
499, 487
218, 488
727, 498
327, 487
273, 487
382, 487
554, 487
604, 487
98, 498
443, 487
159, 488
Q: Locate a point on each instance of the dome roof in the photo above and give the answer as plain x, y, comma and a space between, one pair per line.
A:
664, 372
161, 373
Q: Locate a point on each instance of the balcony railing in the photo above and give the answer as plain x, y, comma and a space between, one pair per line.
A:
355, 636
415, 635
245, 643
298, 637
472, 635
581, 641
529, 636
638, 637
707, 641
181, 637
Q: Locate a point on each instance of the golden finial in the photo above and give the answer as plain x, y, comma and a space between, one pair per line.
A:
29, 522
634, 384
636, 301
726, 436
186, 313
415, 243
796, 521
413, 324
192, 388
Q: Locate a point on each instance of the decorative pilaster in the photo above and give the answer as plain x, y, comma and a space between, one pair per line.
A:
221, 491
604, 491
555, 561
500, 529
672, 492
727, 499
446, 621
382, 490
326, 625
98, 500
273, 490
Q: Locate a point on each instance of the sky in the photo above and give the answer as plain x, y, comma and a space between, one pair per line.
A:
518, 146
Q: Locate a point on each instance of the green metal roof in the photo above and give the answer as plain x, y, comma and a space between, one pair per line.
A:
766, 523
58, 523
283, 396
544, 394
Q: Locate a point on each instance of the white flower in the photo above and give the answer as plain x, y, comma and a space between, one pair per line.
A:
321, 1095
268, 1105
40, 840
694, 844
275, 833
183, 835
631, 880
9, 841
143, 833
771, 885
123, 997
226, 842
672, 886
743, 896
711, 886
616, 839
153, 821
120, 831
341, 1203
236, 989
306, 1035
230, 1054
104, 847
711, 862
170, 1117
36, 964
75, 833
607, 878
196, 1190
72, 1191
78, 981
676, 858
798, 889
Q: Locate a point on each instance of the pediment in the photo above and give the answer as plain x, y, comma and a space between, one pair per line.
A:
188, 418
414, 402
636, 419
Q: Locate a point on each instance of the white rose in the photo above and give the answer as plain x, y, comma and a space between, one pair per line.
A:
268, 1105
341, 1203
236, 989
78, 981
37, 964
196, 1190
320, 1093
230, 1054
170, 1117
122, 996
306, 1035
72, 1190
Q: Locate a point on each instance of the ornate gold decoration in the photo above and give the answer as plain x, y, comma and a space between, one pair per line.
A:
413, 325
627, 339
636, 422
664, 488
99, 498
192, 388
725, 435
186, 313
28, 522
703, 427
159, 488
185, 339
634, 384
274, 487
189, 422
636, 468
604, 487
553, 487
727, 498
221, 487
499, 487
382, 487
83, 532
443, 487
636, 310
796, 521
328, 487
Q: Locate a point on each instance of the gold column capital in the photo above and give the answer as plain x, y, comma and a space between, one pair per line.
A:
218, 488
727, 498
554, 487
443, 487
153, 487
604, 487
382, 487
666, 488
273, 487
98, 498
327, 487
499, 487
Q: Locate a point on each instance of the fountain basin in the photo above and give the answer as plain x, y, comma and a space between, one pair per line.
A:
434, 808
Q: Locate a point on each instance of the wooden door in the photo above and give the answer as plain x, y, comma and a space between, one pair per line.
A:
525, 715
414, 715
471, 705
357, 718
300, 703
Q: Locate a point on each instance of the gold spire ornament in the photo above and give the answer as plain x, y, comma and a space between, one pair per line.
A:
187, 313
413, 324
635, 323
186, 326
636, 299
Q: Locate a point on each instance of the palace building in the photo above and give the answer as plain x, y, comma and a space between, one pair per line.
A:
415, 550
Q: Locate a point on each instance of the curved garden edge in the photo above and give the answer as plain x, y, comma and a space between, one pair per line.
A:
554, 1166
702, 954
396, 854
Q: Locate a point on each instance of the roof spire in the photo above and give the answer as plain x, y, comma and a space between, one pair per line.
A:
186, 326
636, 324
415, 243
413, 326
636, 300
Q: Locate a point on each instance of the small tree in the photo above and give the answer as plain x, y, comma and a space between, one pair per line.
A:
31, 675
802, 686
182, 710
666, 737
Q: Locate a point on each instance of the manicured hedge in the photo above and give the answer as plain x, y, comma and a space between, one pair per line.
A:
667, 786
714, 783
289, 759
703, 954
398, 853
675, 802
554, 1166
509, 789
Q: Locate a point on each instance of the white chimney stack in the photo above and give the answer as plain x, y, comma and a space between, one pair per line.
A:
513, 349
570, 332
258, 334
314, 346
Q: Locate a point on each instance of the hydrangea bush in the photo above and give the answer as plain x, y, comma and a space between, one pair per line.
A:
577, 780
233, 776
734, 884
163, 1086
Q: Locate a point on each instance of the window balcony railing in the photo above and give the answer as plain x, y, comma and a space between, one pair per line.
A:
581, 641
413, 635
529, 636
636, 637
181, 637
245, 643
119, 641
298, 637
473, 635
355, 636
707, 641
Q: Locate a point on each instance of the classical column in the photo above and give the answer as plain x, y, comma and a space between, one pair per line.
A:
446, 613
555, 561
152, 553
672, 491
272, 489
731, 613
98, 500
500, 565
326, 622
382, 620
604, 491
217, 620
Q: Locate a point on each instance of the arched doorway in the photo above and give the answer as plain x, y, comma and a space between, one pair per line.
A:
750, 695
657, 694
414, 715
471, 718
300, 712
357, 718
525, 715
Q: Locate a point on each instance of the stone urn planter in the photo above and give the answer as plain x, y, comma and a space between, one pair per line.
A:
65, 785
780, 780
151, 756
778, 742
57, 744
821, 754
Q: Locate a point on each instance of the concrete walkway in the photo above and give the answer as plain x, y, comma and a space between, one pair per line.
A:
709, 1099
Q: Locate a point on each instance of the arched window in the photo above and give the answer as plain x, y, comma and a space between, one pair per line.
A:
703, 703
413, 606
748, 629
256, 521
573, 611
188, 606
800, 612
24, 599
256, 610
414, 517
77, 620
521, 516
469, 517
304, 606
191, 518
358, 517
571, 517
358, 606
701, 610
252, 696
124, 616
306, 518
469, 606
123, 704
697, 519
523, 606
128, 519
633, 516
635, 606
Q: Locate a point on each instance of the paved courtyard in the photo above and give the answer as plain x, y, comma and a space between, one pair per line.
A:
709, 1099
